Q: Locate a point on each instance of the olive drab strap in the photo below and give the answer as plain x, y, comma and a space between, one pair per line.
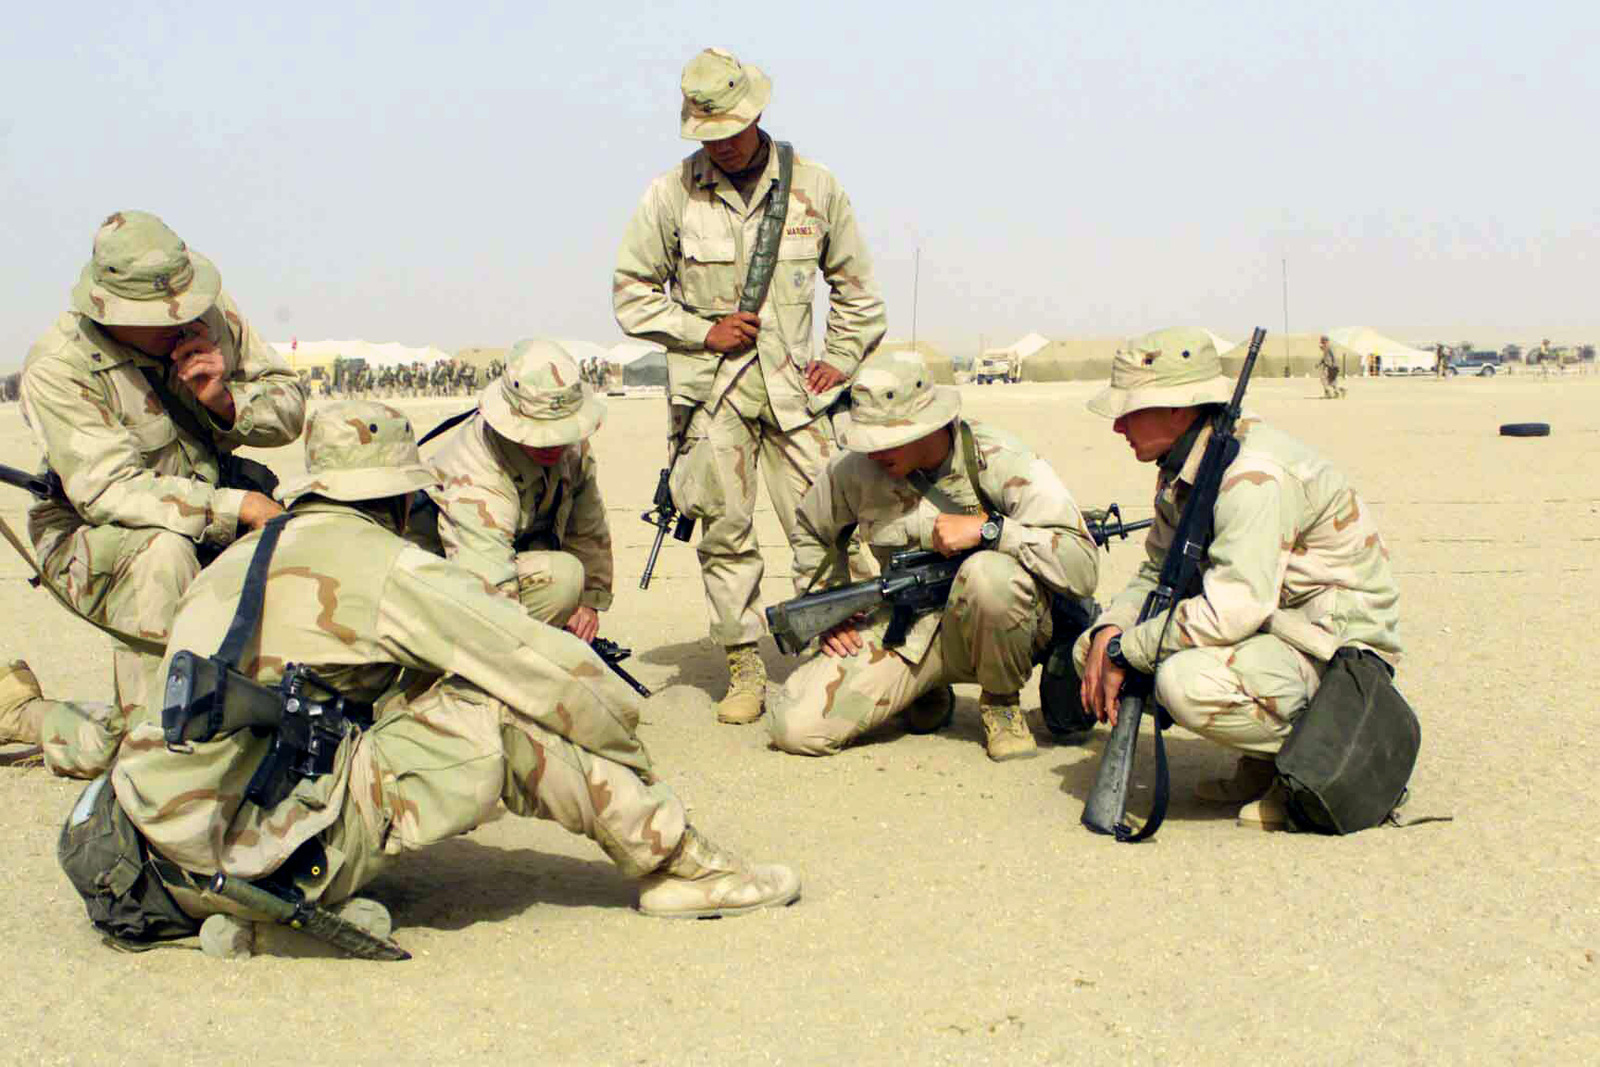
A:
764, 257
176, 409
247, 616
938, 497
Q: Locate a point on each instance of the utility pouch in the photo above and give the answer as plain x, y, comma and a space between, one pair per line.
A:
109, 865
1347, 762
1060, 701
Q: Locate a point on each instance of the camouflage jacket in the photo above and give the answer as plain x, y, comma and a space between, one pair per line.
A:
1295, 553
374, 616
122, 459
491, 494
1043, 529
694, 231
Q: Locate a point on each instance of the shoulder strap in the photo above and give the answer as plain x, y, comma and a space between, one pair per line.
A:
764, 259
938, 497
448, 424
969, 452
176, 409
247, 616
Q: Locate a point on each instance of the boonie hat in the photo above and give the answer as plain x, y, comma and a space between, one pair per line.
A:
893, 401
721, 96
359, 450
142, 274
541, 399
1176, 368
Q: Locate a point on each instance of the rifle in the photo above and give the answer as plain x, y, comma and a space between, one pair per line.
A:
43, 486
916, 580
1107, 805
612, 655
664, 515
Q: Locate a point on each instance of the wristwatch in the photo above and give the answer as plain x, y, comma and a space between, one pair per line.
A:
1114, 653
989, 532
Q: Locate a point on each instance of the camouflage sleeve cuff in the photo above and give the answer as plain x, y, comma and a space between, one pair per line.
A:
1011, 539
844, 364
222, 518
1142, 644
694, 332
598, 599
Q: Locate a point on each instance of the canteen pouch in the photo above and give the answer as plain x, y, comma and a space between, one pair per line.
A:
1347, 762
109, 865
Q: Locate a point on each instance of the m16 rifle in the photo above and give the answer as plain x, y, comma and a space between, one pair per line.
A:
1107, 806
664, 515
916, 581
44, 486
612, 655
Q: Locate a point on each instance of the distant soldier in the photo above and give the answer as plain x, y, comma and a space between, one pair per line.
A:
1441, 361
519, 499
916, 475
747, 394
138, 396
1296, 572
1331, 389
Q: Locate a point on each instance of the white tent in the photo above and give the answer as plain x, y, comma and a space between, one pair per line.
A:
388, 354
1397, 358
625, 352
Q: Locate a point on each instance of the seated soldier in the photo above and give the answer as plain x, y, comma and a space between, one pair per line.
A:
137, 396
915, 475
476, 704
1295, 571
518, 500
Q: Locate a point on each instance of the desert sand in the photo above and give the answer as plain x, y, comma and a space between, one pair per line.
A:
954, 909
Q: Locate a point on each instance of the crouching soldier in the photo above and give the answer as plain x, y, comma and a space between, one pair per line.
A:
138, 396
472, 704
916, 475
518, 498
1296, 571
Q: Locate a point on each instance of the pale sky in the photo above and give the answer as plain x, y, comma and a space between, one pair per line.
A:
462, 173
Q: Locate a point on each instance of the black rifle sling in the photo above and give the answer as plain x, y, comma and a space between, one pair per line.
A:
247, 616
447, 425
764, 257
177, 410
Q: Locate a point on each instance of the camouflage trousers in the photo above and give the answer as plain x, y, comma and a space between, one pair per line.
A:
987, 634
1245, 697
549, 585
728, 451
130, 580
438, 765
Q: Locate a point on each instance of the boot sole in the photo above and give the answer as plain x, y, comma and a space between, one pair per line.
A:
721, 913
1008, 757
727, 721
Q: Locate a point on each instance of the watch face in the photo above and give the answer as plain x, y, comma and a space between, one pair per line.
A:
989, 531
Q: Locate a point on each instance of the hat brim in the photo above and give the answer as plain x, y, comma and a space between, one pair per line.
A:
1113, 402
108, 309
718, 127
540, 433
940, 412
360, 483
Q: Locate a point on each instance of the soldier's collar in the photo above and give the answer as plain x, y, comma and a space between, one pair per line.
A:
106, 351
708, 175
1183, 458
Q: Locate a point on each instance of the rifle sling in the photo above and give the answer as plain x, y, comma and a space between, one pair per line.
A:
448, 424
177, 410
247, 616
764, 257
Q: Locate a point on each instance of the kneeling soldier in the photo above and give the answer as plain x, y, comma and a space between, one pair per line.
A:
1295, 571
474, 703
519, 500
915, 475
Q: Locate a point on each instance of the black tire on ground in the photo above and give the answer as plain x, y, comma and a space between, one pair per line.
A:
1525, 429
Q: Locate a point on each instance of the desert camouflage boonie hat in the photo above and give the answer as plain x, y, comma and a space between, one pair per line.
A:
540, 399
1174, 368
359, 450
721, 96
893, 401
142, 274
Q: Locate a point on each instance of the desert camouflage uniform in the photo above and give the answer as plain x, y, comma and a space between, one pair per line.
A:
476, 702
1296, 571
143, 493
749, 411
998, 612
491, 494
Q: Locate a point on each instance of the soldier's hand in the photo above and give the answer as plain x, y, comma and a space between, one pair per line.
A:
820, 376
256, 509
200, 369
584, 623
1102, 679
843, 640
734, 333
957, 533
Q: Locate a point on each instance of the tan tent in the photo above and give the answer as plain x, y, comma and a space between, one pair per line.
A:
1071, 359
938, 363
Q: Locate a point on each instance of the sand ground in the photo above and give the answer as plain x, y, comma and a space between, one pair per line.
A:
954, 910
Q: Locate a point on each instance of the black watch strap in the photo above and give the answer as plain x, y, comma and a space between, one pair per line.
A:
1114, 653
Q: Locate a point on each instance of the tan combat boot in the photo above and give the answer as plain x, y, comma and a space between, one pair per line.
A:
747, 686
20, 723
1270, 812
1251, 780
701, 881
932, 711
1006, 734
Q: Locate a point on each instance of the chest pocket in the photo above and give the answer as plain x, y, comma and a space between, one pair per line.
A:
794, 280
152, 433
706, 272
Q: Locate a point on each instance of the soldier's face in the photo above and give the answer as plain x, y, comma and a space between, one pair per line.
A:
733, 154
925, 453
151, 340
1151, 432
544, 457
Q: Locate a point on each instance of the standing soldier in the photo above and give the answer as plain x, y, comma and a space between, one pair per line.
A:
1331, 389
137, 397
745, 389
1441, 362
519, 500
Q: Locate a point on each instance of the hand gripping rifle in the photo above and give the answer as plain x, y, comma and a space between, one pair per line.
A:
1107, 806
915, 581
